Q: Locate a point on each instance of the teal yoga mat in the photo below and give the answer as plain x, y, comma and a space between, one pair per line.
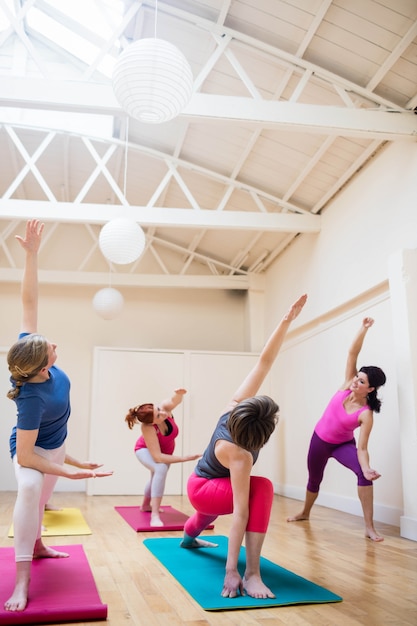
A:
201, 573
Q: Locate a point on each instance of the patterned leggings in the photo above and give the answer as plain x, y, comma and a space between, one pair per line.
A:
320, 452
214, 497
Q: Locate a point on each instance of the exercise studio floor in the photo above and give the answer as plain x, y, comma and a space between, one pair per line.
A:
377, 582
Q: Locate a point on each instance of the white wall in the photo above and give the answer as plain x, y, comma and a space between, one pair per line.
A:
211, 378
345, 271
166, 319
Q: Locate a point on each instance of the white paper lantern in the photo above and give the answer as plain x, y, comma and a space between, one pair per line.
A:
152, 80
122, 241
108, 303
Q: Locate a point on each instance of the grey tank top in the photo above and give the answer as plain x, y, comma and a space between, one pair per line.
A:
208, 466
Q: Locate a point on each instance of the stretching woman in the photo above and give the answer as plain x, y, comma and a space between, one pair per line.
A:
155, 448
222, 483
37, 443
350, 408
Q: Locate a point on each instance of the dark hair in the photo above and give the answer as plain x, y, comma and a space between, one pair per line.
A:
376, 378
142, 413
252, 422
26, 358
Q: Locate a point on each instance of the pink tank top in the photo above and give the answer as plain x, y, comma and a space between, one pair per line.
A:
336, 425
166, 442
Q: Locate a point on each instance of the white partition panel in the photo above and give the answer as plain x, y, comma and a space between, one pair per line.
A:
122, 379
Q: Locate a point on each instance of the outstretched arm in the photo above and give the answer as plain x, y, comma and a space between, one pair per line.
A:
28, 457
29, 291
257, 375
354, 350
170, 403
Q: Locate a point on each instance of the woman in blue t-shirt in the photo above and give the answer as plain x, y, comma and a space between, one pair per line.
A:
37, 443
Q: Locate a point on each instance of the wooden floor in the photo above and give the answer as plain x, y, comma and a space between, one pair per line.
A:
378, 582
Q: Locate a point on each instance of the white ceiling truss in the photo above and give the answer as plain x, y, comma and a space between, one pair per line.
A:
291, 99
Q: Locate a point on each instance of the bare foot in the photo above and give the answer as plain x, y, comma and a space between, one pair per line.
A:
19, 599
45, 552
156, 521
148, 509
298, 518
255, 588
373, 535
192, 542
52, 507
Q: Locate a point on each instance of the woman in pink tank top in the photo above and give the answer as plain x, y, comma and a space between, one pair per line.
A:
351, 407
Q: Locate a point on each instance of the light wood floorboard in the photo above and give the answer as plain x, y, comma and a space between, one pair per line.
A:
378, 582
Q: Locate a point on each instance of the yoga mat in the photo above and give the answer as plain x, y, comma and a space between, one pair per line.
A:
201, 573
63, 522
140, 520
61, 590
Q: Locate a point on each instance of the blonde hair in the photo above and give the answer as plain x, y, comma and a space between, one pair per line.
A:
25, 359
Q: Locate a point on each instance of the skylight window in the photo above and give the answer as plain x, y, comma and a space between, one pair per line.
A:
85, 31
86, 39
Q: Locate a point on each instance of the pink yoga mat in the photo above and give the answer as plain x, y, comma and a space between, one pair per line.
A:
61, 590
140, 521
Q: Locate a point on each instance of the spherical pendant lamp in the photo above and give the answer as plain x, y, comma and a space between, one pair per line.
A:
108, 303
152, 80
122, 241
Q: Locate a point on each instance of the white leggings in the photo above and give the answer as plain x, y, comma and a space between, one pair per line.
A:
155, 487
34, 489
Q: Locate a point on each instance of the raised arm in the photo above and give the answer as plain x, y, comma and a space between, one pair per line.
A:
250, 386
169, 404
29, 290
354, 350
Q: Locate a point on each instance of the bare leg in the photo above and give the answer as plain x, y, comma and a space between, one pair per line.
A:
310, 499
146, 504
252, 581
19, 598
366, 496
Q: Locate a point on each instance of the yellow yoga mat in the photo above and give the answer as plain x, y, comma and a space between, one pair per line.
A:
63, 522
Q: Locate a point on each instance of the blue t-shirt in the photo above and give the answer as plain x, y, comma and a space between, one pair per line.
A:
44, 407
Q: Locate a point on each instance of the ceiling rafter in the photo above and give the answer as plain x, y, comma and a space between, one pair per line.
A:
339, 139
288, 58
171, 162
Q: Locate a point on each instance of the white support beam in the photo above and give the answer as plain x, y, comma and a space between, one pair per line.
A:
294, 116
101, 279
67, 212
99, 99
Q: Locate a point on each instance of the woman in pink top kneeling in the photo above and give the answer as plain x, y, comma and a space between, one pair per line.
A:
351, 407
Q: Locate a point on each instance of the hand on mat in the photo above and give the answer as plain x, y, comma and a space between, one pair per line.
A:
233, 585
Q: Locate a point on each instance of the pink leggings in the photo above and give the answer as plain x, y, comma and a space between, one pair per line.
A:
214, 497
